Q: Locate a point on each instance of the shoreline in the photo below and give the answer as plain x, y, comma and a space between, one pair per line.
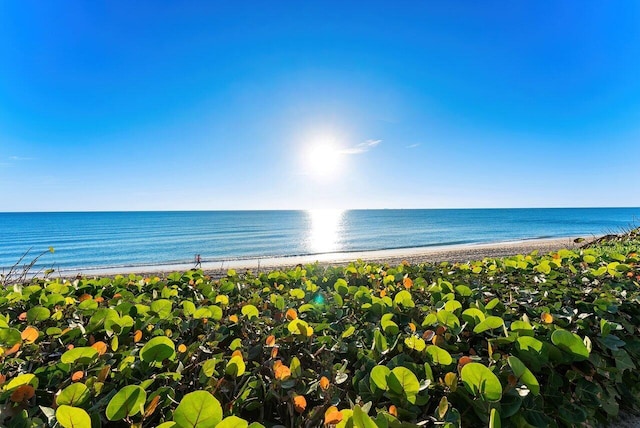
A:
451, 253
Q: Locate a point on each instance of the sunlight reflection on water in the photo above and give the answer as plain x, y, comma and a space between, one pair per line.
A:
325, 230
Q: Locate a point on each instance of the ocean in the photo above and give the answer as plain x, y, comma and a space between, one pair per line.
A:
134, 239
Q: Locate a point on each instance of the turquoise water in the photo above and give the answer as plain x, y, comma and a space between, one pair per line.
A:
123, 239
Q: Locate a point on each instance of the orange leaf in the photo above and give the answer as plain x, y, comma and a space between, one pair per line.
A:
464, 361
412, 327
70, 346
151, 407
237, 353
23, 393
546, 318
324, 383
276, 364
233, 318
274, 352
100, 346
332, 416
22, 316
182, 348
383, 293
30, 334
15, 348
117, 296
291, 314
3, 378
99, 299
137, 336
393, 410
300, 403
407, 282
428, 335
282, 372
271, 340
85, 297
76, 376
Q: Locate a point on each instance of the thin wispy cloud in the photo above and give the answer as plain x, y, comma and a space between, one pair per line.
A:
19, 158
361, 148
413, 146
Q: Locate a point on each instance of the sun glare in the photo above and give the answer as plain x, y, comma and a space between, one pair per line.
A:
323, 159
325, 230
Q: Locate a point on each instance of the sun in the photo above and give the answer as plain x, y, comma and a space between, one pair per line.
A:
323, 160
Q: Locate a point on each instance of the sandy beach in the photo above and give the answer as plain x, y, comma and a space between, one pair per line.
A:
451, 253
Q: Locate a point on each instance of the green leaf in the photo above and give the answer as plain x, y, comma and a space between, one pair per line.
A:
348, 332
379, 341
481, 382
295, 367
21, 379
404, 298
524, 374
38, 313
494, 419
233, 422
341, 287
415, 342
297, 293
73, 395
388, 326
439, 356
378, 377
72, 417
162, 308
198, 409
402, 380
81, 355
235, 366
490, 323
448, 319
361, 419
9, 337
571, 343
129, 401
157, 349
250, 311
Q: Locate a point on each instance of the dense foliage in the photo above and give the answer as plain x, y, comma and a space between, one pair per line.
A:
523, 341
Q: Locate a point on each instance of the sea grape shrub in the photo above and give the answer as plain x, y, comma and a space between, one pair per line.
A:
530, 340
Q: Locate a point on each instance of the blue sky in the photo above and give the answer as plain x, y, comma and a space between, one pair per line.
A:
230, 105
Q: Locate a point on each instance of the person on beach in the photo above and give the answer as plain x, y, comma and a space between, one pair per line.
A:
198, 261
